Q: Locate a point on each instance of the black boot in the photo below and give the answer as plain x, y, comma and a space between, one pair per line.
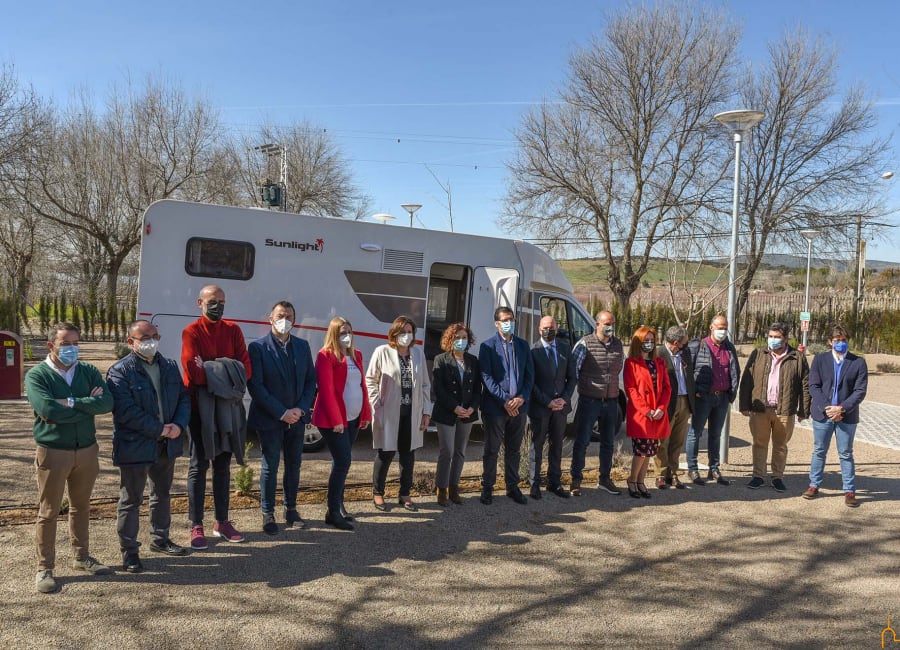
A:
337, 520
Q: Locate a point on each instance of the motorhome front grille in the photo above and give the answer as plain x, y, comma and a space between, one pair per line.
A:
407, 261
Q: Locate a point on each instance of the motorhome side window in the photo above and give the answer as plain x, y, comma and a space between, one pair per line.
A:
219, 258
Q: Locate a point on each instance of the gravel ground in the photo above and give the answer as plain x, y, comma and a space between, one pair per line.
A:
712, 566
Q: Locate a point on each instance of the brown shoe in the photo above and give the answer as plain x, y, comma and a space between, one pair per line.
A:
661, 483
442, 497
575, 488
454, 495
850, 500
810, 493
609, 486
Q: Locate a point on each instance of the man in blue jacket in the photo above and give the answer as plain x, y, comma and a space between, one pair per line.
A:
282, 385
151, 410
838, 380
507, 371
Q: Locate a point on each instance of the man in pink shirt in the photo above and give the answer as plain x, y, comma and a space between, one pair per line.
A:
774, 390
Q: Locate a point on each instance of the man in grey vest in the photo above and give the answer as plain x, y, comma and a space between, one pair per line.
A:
598, 362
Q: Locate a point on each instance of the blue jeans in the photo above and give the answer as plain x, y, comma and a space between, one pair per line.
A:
272, 442
606, 413
340, 446
843, 433
710, 411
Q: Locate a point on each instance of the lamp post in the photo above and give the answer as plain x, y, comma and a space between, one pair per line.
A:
383, 217
269, 150
411, 208
859, 296
739, 122
810, 235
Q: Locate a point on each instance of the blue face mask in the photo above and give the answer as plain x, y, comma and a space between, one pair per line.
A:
775, 344
507, 326
67, 354
460, 344
841, 347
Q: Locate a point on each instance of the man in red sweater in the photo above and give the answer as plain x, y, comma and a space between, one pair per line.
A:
207, 339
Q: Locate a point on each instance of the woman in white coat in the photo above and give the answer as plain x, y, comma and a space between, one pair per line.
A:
400, 395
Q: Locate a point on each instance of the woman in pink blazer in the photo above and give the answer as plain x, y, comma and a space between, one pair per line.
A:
647, 415
341, 410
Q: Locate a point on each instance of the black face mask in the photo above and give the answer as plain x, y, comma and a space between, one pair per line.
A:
548, 334
214, 311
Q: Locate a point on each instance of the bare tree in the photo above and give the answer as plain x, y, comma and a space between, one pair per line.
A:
626, 158
319, 178
96, 173
813, 161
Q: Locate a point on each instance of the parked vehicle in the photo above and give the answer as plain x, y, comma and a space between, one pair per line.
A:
366, 272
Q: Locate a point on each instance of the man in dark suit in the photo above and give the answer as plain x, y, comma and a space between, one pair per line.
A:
838, 381
282, 385
507, 372
551, 401
680, 366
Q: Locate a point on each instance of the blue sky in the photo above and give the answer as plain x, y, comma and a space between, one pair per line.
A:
400, 85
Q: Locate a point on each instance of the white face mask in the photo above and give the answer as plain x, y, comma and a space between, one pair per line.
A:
346, 340
720, 335
405, 339
282, 326
147, 349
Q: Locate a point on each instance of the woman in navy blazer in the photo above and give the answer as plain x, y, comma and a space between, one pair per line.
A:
457, 396
838, 380
282, 385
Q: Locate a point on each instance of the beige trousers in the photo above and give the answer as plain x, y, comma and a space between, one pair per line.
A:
778, 428
670, 448
56, 469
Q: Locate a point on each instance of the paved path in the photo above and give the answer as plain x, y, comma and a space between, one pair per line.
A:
879, 424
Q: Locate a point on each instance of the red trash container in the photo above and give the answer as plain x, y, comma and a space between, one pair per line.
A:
12, 365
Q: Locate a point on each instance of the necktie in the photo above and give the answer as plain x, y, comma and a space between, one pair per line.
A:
551, 353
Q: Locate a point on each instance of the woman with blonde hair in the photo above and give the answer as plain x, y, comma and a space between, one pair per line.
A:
341, 410
457, 397
400, 394
647, 415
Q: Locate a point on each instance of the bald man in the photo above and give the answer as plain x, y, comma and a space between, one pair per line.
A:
207, 339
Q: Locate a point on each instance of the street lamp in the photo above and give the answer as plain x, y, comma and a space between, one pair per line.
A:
275, 195
810, 235
861, 261
411, 208
383, 217
739, 122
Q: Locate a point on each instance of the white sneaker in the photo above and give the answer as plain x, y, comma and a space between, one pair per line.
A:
44, 581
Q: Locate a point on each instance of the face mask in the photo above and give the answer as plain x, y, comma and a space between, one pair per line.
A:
720, 335
609, 331
404, 339
147, 348
647, 346
548, 333
460, 344
214, 311
283, 326
774, 344
346, 340
507, 326
67, 354
841, 347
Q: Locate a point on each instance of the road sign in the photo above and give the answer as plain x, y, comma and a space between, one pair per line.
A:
804, 326
804, 316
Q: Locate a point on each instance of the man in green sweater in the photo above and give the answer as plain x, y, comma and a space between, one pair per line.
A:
66, 395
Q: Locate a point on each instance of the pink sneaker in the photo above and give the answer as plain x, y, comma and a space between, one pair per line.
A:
227, 531
198, 538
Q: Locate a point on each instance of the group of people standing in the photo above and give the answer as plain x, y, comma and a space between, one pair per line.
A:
674, 390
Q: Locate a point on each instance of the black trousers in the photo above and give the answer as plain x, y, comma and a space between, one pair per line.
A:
407, 461
508, 431
196, 478
132, 481
552, 427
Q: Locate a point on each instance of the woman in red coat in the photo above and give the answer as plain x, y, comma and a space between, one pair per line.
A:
341, 410
647, 415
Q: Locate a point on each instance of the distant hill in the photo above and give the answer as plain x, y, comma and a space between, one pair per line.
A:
780, 260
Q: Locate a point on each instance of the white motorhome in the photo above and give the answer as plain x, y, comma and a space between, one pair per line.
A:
368, 273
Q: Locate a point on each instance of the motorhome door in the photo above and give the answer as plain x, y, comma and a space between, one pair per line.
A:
492, 288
